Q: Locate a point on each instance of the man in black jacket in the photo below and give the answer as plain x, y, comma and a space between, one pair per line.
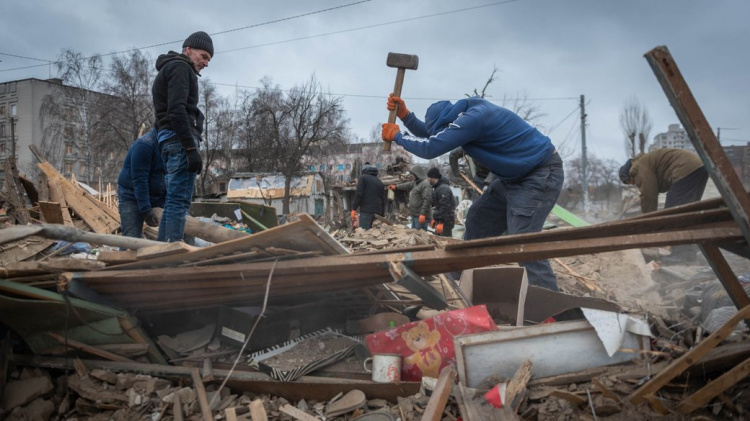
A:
180, 124
444, 212
370, 197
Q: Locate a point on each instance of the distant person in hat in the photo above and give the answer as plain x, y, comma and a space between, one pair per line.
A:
420, 197
369, 198
180, 124
678, 173
443, 203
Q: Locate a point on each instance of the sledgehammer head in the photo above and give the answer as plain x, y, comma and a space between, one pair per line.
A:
402, 61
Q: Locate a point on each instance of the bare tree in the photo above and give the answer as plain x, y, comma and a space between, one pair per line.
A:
76, 110
131, 105
636, 125
296, 123
219, 136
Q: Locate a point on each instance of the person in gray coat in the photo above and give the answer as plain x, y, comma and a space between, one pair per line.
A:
420, 197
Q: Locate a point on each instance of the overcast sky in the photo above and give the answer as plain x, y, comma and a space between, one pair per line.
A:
551, 51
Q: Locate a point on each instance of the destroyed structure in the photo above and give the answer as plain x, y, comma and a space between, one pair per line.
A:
291, 322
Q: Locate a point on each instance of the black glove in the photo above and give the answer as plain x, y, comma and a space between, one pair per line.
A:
195, 162
150, 219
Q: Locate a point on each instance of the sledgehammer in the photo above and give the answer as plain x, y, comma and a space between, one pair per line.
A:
400, 62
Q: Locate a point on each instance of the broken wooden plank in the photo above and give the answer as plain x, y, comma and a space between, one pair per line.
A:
681, 364
177, 408
163, 250
115, 257
56, 195
568, 396
726, 276
52, 212
517, 385
86, 206
257, 411
701, 135
202, 397
295, 413
89, 349
436, 404
703, 396
14, 193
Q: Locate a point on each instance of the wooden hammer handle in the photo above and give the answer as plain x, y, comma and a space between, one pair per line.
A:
397, 92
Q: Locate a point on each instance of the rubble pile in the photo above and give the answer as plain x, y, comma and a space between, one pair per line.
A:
171, 331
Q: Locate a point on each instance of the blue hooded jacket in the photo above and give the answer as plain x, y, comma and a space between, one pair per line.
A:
494, 136
142, 176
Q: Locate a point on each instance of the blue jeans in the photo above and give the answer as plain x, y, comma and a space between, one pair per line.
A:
416, 225
180, 184
131, 219
517, 207
365, 220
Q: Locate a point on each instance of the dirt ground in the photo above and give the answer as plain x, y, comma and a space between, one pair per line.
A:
623, 277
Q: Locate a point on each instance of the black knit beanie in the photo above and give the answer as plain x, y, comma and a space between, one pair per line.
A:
625, 171
200, 40
433, 173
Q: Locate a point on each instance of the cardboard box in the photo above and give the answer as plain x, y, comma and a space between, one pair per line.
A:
509, 298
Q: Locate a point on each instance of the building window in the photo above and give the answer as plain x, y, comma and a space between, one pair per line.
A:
348, 166
68, 167
2, 130
68, 148
68, 132
2, 110
13, 110
222, 186
2, 148
111, 155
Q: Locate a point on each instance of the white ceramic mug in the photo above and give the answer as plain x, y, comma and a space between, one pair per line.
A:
386, 368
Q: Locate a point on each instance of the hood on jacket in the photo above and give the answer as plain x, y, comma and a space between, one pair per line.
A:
442, 180
419, 172
370, 170
440, 114
171, 56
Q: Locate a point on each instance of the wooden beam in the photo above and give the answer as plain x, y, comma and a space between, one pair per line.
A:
714, 388
257, 411
296, 413
436, 404
681, 364
89, 349
202, 397
727, 277
702, 136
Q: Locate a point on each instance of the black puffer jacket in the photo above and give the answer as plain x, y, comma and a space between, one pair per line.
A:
444, 202
370, 196
175, 94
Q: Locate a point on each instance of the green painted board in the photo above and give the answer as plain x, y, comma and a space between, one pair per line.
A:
32, 312
569, 217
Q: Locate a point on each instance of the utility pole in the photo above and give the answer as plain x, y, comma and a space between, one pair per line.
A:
584, 160
718, 132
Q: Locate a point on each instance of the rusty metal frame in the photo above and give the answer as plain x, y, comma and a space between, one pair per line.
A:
714, 158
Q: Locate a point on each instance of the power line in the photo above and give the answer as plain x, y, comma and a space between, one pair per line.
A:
371, 26
214, 33
302, 38
407, 98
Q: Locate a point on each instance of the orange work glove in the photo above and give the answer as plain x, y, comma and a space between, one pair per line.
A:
393, 102
432, 223
422, 218
390, 130
439, 228
392, 187
354, 214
